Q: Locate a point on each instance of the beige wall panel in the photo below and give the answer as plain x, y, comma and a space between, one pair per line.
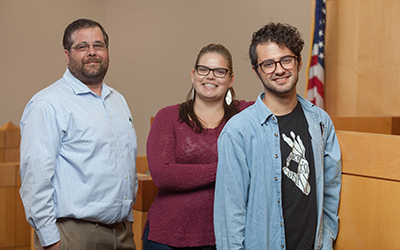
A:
153, 46
363, 35
379, 58
378, 92
341, 38
341, 58
337, 100
367, 216
7, 217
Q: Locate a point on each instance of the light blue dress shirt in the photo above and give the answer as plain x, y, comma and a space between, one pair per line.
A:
248, 209
78, 157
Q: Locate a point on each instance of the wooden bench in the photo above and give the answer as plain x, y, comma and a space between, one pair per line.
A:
370, 196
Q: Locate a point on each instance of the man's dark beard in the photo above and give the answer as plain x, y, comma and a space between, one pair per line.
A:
87, 77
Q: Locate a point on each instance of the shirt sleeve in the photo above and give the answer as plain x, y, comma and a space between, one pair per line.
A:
332, 186
166, 173
40, 142
231, 193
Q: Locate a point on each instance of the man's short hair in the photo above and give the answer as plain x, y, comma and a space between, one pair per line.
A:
81, 24
282, 34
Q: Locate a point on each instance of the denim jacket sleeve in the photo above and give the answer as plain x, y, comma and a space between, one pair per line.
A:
332, 184
230, 193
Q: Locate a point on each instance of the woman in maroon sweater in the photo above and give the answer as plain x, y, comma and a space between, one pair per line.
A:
182, 155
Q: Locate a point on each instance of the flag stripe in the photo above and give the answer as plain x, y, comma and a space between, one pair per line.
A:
316, 70
318, 86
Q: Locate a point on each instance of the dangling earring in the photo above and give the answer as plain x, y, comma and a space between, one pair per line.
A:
228, 97
193, 93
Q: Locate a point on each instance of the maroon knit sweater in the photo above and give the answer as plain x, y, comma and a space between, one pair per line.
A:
183, 166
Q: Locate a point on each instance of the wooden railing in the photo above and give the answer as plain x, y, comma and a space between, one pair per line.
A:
370, 196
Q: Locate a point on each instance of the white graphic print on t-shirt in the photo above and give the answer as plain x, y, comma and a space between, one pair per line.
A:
297, 155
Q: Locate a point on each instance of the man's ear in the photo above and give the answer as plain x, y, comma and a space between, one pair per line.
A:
255, 72
66, 54
300, 62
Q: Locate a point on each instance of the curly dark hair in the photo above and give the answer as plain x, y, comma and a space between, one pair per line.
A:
282, 34
81, 24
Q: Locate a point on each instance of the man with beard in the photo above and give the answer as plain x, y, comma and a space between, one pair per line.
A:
78, 152
279, 161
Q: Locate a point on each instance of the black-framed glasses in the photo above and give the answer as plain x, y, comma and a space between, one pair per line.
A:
86, 46
286, 62
204, 71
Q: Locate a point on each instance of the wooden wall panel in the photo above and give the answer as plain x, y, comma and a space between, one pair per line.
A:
14, 229
140, 219
370, 195
379, 124
7, 216
368, 218
372, 155
23, 229
362, 58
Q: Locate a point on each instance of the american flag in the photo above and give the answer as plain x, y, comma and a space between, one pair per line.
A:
316, 70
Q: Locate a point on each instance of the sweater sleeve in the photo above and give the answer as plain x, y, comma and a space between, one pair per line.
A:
165, 171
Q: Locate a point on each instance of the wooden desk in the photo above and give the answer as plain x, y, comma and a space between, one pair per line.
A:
370, 197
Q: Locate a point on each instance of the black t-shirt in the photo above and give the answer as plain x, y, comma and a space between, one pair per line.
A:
298, 181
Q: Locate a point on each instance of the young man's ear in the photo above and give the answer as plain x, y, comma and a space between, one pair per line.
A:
255, 72
300, 62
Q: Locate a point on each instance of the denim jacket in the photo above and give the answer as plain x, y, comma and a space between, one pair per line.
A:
247, 209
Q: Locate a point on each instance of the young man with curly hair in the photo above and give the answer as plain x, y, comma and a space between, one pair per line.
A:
279, 161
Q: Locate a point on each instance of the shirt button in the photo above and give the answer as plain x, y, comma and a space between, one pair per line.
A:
282, 246
266, 124
276, 135
126, 198
279, 201
122, 156
276, 156
126, 177
273, 118
281, 224
110, 117
117, 136
276, 178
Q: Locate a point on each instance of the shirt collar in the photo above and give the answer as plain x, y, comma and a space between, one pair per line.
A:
264, 113
81, 88
262, 110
